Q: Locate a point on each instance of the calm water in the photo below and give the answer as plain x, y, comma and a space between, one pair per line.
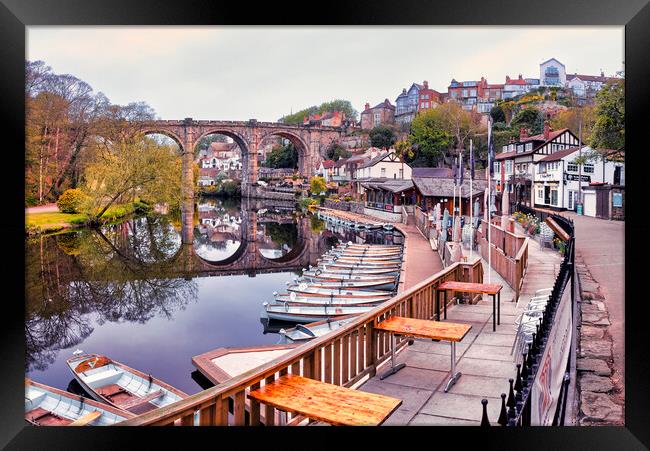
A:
134, 292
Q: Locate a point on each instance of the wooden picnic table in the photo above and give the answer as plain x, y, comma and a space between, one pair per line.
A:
422, 328
330, 403
491, 289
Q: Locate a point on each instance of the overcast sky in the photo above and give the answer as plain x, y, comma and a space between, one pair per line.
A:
240, 73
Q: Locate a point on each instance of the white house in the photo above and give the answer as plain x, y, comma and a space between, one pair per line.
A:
552, 73
515, 165
384, 165
557, 177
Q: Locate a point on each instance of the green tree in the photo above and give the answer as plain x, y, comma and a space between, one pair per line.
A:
336, 151
497, 114
572, 119
127, 170
429, 138
530, 118
609, 128
331, 106
382, 137
317, 185
283, 157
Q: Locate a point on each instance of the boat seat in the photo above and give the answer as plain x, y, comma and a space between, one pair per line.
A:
103, 378
110, 390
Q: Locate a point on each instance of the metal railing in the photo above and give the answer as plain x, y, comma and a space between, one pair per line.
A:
516, 409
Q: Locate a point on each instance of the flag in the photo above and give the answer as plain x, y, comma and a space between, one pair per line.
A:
490, 146
461, 168
471, 160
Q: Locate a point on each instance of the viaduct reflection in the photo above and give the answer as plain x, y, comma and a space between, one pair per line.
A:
146, 267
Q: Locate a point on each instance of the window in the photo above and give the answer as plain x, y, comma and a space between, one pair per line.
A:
472, 92
383, 172
588, 168
401, 173
509, 167
464, 92
540, 194
529, 146
454, 94
572, 167
497, 167
524, 167
520, 148
542, 167
377, 118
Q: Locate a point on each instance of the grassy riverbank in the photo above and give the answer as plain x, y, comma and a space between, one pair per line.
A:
49, 222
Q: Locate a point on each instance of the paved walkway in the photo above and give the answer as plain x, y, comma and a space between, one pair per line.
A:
484, 357
47, 208
420, 262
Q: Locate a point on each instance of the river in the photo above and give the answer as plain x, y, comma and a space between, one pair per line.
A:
135, 292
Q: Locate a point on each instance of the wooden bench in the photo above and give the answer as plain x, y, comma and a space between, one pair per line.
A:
491, 289
325, 402
422, 328
137, 401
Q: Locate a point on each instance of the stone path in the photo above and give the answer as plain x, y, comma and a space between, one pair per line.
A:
420, 262
484, 357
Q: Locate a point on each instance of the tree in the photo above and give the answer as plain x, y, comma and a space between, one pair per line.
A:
571, 119
336, 151
382, 137
430, 138
609, 127
497, 114
283, 157
317, 185
141, 168
530, 118
335, 105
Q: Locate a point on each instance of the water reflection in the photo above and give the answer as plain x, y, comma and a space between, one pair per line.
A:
135, 286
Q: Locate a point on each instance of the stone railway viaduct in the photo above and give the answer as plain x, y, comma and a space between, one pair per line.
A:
310, 141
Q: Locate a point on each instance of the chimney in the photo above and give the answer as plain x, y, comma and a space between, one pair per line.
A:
520, 77
523, 133
602, 74
547, 130
426, 84
367, 106
507, 78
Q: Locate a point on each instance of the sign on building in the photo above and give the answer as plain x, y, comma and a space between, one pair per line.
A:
575, 178
617, 199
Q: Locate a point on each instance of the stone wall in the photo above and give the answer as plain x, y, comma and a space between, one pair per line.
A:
259, 192
600, 399
383, 215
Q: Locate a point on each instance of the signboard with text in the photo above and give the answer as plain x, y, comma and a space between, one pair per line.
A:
575, 178
548, 381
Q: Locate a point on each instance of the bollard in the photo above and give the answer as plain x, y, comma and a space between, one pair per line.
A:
503, 416
530, 359
484, 419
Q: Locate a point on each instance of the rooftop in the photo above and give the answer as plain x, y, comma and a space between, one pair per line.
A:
444, 187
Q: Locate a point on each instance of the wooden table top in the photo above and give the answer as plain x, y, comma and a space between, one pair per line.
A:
330, 403
470, 287
422, 328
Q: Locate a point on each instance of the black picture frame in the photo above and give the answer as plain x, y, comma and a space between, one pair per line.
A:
15, 15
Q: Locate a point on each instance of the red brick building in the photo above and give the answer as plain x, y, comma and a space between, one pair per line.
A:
428, 98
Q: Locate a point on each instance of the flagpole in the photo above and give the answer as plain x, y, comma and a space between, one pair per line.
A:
489, 206
471, 206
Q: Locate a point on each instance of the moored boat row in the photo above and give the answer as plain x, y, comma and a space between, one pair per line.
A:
350, 279
351, 220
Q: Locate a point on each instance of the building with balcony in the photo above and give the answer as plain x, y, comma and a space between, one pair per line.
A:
464, 92
552, 73
585, 87
514, 167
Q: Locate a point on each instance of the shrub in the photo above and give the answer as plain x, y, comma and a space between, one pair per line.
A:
347, 198
71, 201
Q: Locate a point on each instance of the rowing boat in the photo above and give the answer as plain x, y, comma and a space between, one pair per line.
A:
327, 276
332, 300
383, 283
120, 386
341, 292
308, 313
49, 406
304, 332
351, 271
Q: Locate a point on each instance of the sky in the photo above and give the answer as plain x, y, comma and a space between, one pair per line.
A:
263, 73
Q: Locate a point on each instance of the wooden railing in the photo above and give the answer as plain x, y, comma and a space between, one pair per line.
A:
342, 357
509, 254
